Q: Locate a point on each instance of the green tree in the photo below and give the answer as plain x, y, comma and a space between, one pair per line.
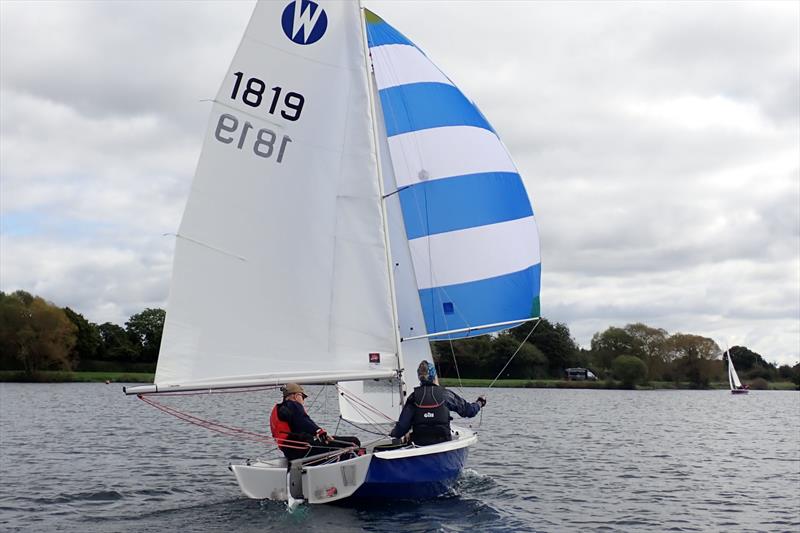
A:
785, 372
468, 355
692, 358
553, 340
640, 340
650, 345
528, 363
796, 375
35, 332
745, 359
608, 345
751, 364
117, 344
145, 329
629, 369
88, 339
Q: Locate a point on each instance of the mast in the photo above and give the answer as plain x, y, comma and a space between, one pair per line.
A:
387, 246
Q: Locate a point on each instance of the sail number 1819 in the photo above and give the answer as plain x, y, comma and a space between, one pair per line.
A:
253, 94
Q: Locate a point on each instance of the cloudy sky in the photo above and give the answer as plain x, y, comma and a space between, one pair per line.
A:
660, 143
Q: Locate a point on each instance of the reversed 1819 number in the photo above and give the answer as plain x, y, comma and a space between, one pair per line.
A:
255, 93
263, 140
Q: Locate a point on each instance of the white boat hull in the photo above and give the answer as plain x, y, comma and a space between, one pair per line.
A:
405, 473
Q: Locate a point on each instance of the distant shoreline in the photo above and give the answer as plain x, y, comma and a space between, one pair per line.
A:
53, 376
609, 385
13, 376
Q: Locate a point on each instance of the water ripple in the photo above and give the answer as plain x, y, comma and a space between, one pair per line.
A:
587, 461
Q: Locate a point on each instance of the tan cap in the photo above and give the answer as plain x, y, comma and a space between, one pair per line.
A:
293, 388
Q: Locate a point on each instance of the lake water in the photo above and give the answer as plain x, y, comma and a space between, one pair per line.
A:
83, 457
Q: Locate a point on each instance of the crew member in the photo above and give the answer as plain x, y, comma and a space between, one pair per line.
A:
296, 434
427, 410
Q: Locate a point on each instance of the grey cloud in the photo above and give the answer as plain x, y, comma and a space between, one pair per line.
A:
644, 214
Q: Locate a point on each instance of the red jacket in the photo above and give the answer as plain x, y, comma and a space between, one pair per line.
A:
280, 428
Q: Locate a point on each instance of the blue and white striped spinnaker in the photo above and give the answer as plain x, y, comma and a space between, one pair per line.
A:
469, 222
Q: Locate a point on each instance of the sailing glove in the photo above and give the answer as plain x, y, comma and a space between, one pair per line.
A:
481, 400
322, 436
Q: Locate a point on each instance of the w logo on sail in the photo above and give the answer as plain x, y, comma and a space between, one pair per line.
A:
304, 22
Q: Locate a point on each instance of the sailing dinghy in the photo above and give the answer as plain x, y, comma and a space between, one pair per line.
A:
733, 377
350, 205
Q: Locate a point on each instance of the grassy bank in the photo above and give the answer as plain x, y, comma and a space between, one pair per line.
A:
562, 384
147, 377
77, 377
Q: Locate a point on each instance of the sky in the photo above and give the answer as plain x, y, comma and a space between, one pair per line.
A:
659, 142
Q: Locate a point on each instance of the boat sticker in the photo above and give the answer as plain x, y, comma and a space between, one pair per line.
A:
304, 22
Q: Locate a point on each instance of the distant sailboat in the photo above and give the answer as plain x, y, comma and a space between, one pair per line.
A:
733, 377
350, 205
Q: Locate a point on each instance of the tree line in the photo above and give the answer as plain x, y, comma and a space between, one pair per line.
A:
633, 354
37, 335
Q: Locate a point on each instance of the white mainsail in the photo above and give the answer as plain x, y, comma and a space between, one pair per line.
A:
733, 378
281, 262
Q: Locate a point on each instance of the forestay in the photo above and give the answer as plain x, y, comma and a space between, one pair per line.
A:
468, 219
281, 261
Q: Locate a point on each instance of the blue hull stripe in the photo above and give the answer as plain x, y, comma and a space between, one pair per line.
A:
419, 106
412, 478
462, 202
500, 299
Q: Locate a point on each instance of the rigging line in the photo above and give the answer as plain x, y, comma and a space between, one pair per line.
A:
353, 399
365, 430
313, 401
396, 191
370, 421
230, 431
515, 353
455, 364
357, 408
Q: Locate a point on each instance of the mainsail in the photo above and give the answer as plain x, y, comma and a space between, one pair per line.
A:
733, 378
348, 197
468, 218
281, 263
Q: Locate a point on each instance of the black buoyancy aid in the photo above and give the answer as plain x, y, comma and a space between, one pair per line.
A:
280, 428
431, 422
